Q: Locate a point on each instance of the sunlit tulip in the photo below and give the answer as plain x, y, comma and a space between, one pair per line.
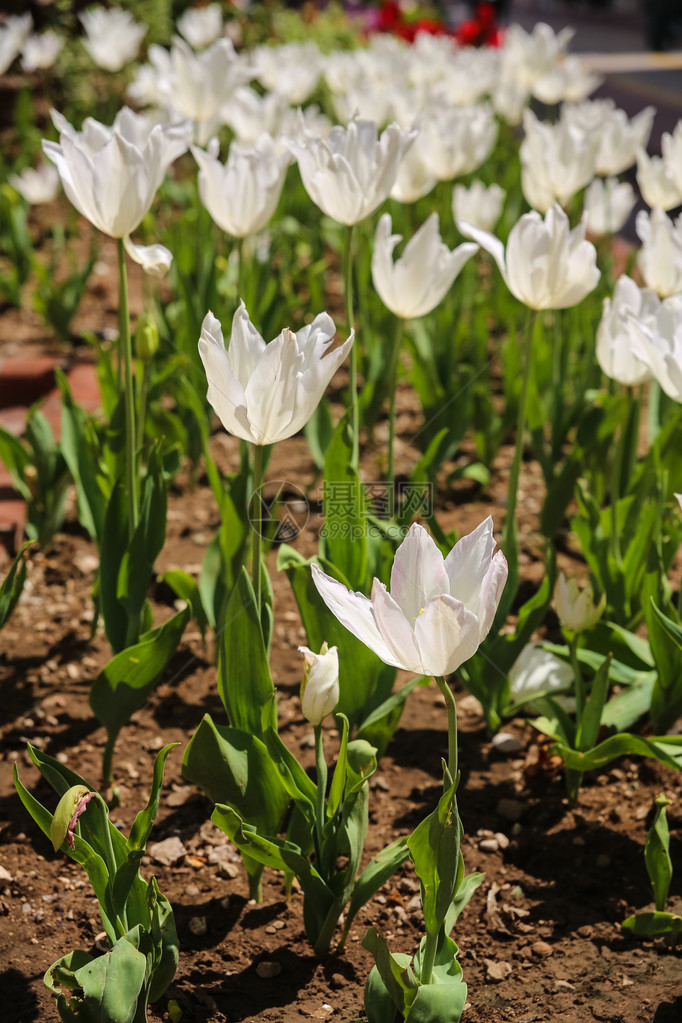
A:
576, 608
14, 32
509, 100
151, 85
201, 26
112, 36
659, 344
546, 265
617, 334
320, 686
36, 186
438, 610
415, 179
536, 672
557, 160
456, 140
241, 195
351, 172
200, 84
608, 204
671, 147
424, 273
660, 258
292, 69
41, 51
568, 82
619, 136
249, 114
658, 182
262, 392
529, 56
111, 174
477, 205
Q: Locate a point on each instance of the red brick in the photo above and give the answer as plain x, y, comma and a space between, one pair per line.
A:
24, 379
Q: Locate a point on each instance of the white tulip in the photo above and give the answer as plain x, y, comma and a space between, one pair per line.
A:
249, 114
608, 204
14, 32
422, 276
320, 686
242, 194
575, 607
536, 673
528, 57
112, 36
415, 179
568, 82
620, 138
658, 182
201, 26
262, 392
477, 205
557, 161
456, 140
659, 344
292, 69
671, 147
41, 51
546, 265
617, 334
660, 258
439, 609
37, 186
151, 85
200, 84
350, 173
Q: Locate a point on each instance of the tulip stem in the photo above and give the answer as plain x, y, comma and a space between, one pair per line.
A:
449, 697
348, 292
125, 347
509, 534
240, 265
320, 810
257, 521
393, 383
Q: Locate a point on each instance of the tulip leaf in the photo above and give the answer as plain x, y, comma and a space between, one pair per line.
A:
298, 783
665, 636
244, 680
654, 925
665, 748
102, 990
588, 727
435, 850
187, 589
13, 584
345, 509
657, 855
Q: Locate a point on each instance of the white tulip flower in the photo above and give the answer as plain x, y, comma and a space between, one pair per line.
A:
320, 686
292, 69
528, 57
477, 205
575, 607
14, 32
546, 265
422, 276
37, 186
658, 181
568, 82
659, 345
557, 160
351, 172
201, 26
608, 204
536, 673
41, 51
671, 147
262, 392
249, 114
112, 36
439, 609
242, 194
620, 138
151, 85
618, 335
111, 174
200, 84
414, 179
660, 258
457, 140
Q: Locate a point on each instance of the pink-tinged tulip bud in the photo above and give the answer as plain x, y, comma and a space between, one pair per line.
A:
320, 686
69, 808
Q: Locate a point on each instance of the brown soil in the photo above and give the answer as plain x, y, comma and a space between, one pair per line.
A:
547, 918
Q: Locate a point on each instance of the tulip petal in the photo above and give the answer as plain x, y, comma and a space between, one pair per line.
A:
355, 612
154, 259
418, 573
395, 629
491, 591
467, 563
447, 635
271, 390
225, 393
488, 242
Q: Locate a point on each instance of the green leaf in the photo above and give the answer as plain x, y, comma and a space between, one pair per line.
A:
244, 681
395, 973
105, 989
377, 872
438, 1003
379, 1006
297, 782
187, 589
13, 584
657, 854
345, 509
665, 748
654, 925
318, 432
126, 682
665, 636
590, 723
434, 847
339, 777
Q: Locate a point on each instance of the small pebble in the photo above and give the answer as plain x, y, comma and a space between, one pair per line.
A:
542, 949
502, 840
228, 869
268, 969
505, 742
198, 926
488, 845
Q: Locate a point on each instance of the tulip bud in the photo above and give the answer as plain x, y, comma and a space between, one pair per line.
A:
69, 809
146, 339
576, 609
320, 686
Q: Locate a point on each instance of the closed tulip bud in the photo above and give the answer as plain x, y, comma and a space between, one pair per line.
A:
146, 339
69, 808
576, 608
320, 686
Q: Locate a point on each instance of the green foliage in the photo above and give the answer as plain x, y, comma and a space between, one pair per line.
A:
13, 584
57, 297
16, 247
660, 870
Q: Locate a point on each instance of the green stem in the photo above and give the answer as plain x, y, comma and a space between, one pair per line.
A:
240, 267
256, 504
430, 948
144, 394
127, 354
321, 805
449, 697
108, 759
392, 383
578, 679
110, 858
509, 537
348, 292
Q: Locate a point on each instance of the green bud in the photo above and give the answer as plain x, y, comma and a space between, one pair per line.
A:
146, 339
67, 812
